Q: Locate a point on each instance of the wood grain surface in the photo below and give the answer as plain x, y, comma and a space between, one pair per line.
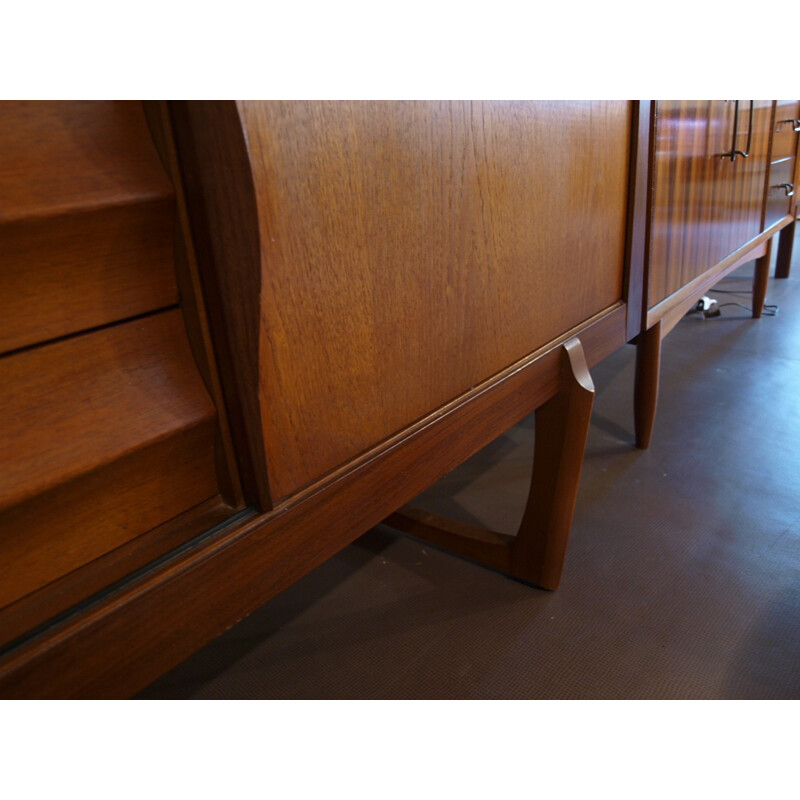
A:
221, 202
639, 197
72, 273
103, 437
783, 166
781, 185
193, 304
60, 157
409, 251
785, 137
86, 219
22, 617
704, 206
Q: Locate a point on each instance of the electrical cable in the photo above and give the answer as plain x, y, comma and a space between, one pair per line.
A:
769, 310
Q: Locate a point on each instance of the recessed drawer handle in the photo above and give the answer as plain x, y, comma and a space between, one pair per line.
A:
787, 187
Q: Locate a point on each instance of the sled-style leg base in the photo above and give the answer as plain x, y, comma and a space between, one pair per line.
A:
536, 554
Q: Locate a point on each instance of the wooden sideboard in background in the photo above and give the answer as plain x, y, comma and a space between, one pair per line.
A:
238, 335
712, 209
787, 128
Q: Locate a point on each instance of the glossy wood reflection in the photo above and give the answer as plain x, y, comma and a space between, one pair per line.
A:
781, 192
705, 206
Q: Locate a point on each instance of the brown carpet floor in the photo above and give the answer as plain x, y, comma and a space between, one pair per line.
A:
683, 571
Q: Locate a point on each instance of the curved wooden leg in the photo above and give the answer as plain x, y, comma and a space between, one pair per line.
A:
536, 554
783, 262
761, 281
645, 394
562, 425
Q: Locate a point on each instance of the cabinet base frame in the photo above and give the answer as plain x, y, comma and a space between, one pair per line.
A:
536, 554
111, 647
666, 315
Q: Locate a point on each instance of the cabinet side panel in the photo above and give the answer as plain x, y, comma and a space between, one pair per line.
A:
413, 250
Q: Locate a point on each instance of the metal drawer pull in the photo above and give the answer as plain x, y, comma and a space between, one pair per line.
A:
733, 151
795, 123
787, 187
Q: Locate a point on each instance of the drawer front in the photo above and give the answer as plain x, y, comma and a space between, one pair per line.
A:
86, 220
785, 137
104, 436
69, 274
780, 199
795, 205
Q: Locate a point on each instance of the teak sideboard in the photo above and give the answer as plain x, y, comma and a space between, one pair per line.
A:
234, 336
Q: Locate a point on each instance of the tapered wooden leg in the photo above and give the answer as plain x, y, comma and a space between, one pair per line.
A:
562, 425
761, 281
536, 554
783, 261
645, 395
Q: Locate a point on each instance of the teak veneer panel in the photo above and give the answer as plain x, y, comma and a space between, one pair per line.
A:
784, 137
69, 274
783, 156
23, 616
704, 207
75, 405
60, 157
103, 437
86, 219
406, 251
56, 533
779, 204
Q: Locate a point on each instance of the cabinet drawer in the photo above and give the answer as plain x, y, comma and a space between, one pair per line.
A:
784, 139
86, 220
779, 202
103, 437
69, 274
